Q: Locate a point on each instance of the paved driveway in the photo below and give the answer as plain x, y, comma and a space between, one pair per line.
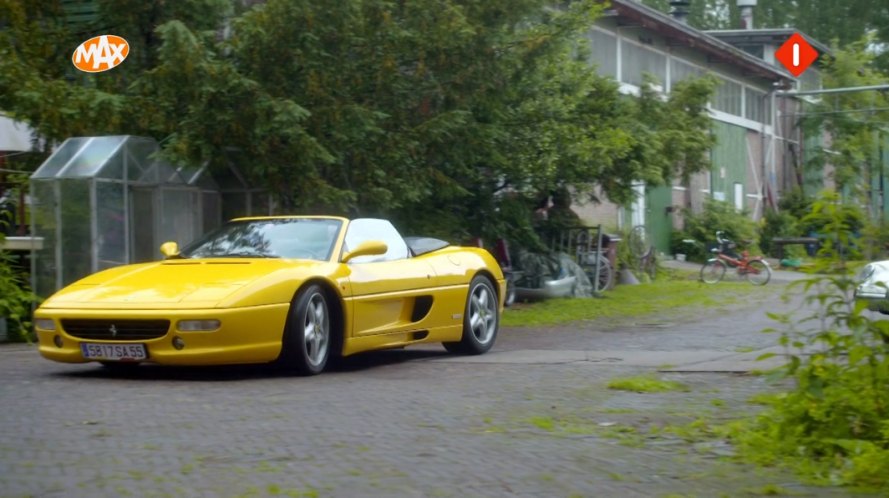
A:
533, 418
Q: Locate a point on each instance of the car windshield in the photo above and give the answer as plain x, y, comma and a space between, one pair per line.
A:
293, 238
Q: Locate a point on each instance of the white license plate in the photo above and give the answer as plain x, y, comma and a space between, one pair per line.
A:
113, 352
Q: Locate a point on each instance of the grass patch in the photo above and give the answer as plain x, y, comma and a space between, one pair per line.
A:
657, 298
646, 384
545, 423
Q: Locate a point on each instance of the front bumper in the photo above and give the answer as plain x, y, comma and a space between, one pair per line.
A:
246, 335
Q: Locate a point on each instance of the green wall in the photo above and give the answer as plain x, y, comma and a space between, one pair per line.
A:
729, 158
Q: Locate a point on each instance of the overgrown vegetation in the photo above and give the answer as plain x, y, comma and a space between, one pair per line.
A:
702, 227
668, 297
15, 297
833, 425
645, 384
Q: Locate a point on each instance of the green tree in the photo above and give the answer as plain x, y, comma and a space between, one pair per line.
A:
855, 121
430, 112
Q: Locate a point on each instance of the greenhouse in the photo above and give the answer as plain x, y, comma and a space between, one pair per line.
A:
100, 202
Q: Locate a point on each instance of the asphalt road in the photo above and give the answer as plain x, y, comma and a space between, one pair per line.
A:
532, 418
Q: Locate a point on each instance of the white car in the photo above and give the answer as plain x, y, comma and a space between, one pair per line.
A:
873, 286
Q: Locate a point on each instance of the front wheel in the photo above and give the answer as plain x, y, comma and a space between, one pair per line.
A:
758, 273
307, 338
712, 271
481, 319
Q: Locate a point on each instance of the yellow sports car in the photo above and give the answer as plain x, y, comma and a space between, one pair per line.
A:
293, 289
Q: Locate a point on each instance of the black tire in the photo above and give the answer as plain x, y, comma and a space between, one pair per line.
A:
308, 334
712, 271
510, 292
758, 272
481, 319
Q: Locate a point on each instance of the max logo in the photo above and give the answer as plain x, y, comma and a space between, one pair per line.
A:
100, 53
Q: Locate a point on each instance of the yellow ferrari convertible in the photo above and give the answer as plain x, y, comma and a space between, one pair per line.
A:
296, 290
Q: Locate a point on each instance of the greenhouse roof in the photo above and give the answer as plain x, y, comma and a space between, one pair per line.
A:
121, 157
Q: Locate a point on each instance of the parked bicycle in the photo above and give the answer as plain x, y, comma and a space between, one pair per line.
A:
643, 251
755, 269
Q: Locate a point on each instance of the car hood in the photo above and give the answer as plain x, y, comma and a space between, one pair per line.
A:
171, 284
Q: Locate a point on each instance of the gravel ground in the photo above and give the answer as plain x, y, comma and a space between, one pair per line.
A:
413, 422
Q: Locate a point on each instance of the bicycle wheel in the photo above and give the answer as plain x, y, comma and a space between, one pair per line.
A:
606, 275
758, 273
638, 241
712, 271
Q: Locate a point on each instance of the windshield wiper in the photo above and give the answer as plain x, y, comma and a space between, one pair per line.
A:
244, 255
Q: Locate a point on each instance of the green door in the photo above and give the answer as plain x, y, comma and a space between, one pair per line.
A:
657, 219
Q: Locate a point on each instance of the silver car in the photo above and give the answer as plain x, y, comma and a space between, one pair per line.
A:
873, 286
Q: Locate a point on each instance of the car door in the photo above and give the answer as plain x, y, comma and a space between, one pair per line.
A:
384, 288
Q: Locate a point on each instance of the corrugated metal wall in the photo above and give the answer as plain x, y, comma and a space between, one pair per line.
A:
730, 159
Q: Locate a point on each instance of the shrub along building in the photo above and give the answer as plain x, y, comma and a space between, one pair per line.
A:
760, 148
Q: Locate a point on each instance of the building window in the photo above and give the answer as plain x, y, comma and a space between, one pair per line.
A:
758, 106
636, 60
680, 71
603, 52
739, 197
727, 97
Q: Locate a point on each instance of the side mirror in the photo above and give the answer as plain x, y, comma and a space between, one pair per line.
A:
170, 250
366, 248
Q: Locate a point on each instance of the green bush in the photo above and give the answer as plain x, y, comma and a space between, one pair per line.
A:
777, 224
833, 423
681, 242
875, 240
15, 296
702, 228
15, 299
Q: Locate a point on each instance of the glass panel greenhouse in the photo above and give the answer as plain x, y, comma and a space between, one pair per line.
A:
101, 202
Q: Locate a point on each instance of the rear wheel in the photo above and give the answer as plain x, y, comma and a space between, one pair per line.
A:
712, 271
481, 319
758, 273
307, 338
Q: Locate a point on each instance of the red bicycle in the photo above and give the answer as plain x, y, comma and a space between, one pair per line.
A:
755, 269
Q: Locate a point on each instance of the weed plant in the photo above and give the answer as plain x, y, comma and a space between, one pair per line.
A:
15, 296
832, 425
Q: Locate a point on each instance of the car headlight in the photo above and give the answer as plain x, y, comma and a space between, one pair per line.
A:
45, 324
198, 325
866, 273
